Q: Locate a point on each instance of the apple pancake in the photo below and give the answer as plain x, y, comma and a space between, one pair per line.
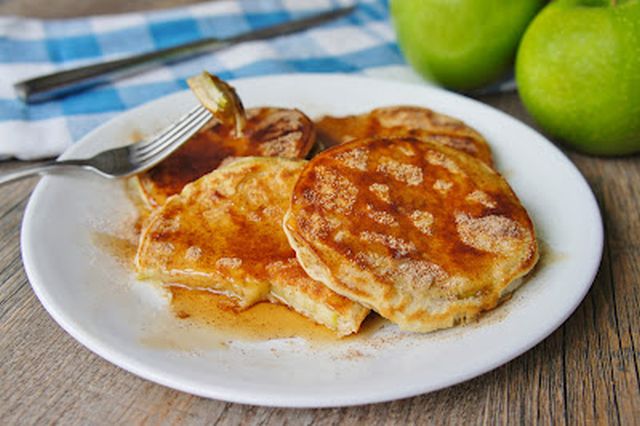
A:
223, 233
268, 132
397, 121
425, 235
291, 286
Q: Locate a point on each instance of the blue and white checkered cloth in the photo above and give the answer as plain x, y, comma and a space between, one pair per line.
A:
361, 41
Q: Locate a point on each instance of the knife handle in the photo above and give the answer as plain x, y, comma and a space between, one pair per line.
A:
64, 82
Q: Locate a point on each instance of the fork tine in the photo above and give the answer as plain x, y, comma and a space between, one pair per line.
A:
168, 136
149, 161
167, 139
186, 120
161, 151
152, 140
189, 128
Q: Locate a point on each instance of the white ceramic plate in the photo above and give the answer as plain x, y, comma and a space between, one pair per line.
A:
99, 302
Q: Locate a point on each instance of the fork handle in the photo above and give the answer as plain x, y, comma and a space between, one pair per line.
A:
46, 167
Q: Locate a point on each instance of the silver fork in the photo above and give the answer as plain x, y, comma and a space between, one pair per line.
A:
127, 160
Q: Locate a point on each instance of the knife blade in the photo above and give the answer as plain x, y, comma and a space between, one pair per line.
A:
63, 83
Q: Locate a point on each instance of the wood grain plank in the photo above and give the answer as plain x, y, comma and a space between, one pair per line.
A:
10, 218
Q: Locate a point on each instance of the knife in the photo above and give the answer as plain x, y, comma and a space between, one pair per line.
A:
65, 82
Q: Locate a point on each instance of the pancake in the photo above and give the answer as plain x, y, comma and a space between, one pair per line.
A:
396, 121
268, 132
291, 286
425, 235
223, 233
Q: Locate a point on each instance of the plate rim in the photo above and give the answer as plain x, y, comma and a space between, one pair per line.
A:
130, 364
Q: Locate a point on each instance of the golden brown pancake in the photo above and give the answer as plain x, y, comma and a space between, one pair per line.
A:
269, 132
424, 234
396, 121
223, 233
291, 286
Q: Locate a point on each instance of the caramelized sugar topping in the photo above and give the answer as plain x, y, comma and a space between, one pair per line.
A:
263, 321
270, 132
226, 225
224, 233
410, 222
398, 121
461, 230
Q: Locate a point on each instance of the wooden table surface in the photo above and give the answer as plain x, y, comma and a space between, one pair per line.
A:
586, 371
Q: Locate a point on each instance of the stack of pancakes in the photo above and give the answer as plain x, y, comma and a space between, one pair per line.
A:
402, 214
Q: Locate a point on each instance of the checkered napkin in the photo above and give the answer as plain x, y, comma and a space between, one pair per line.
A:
361, 41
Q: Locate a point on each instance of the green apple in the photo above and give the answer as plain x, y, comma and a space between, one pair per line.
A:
578, 74
461, 44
